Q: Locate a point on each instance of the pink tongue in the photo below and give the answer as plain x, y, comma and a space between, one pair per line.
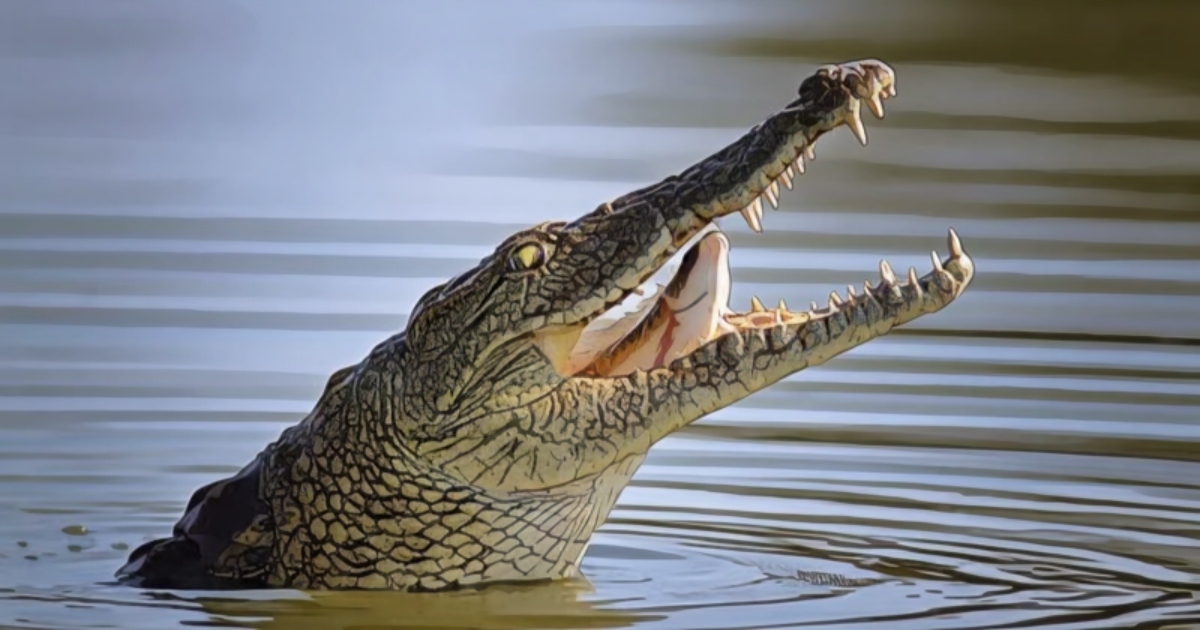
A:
667, 342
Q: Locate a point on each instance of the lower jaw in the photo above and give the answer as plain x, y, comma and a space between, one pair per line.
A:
682, 325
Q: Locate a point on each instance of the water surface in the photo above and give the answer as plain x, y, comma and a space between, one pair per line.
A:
206, 208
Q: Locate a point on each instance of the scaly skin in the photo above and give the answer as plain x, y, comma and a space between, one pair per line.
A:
464, 451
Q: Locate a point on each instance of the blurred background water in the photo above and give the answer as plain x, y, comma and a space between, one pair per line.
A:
207, 207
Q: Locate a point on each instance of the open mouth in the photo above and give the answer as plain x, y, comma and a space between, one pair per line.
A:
692, 308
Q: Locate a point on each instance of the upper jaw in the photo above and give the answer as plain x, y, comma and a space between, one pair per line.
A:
659, 220
831, 97
853, 84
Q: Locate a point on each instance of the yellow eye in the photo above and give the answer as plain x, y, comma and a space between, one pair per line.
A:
527, 257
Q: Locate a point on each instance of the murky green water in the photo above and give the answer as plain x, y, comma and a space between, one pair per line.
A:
208, 207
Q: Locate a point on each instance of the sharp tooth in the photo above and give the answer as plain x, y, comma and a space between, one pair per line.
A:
809, 153
891, 90
956, 248
850, 292
835, 300
854, 121
869, 292
791, 171
787, 176
782, 306
753, 215
885, 272
772, 195
800, 164
913, 281
756, 306
876, 105
937, 262
751, 220
813, 307
639, 291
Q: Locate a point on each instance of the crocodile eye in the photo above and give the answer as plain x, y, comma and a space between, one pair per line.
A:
527, 257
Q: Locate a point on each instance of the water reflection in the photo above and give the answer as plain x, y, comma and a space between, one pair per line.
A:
555, 605
207, 207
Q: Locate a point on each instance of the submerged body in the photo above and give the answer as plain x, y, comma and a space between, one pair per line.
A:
491, 438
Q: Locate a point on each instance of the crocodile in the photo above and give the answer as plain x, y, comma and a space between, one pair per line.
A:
490, 439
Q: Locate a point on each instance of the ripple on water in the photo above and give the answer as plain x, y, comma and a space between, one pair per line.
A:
1028, 458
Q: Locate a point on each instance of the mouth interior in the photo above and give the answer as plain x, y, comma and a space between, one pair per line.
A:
658, 323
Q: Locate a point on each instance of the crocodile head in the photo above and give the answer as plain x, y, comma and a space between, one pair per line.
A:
532, 369
491, 438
